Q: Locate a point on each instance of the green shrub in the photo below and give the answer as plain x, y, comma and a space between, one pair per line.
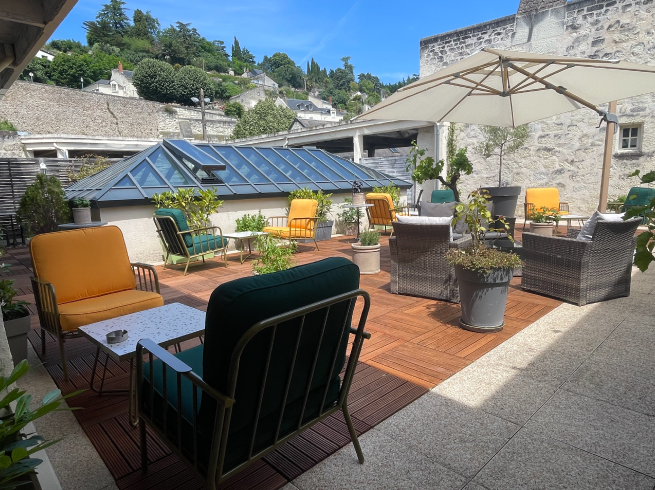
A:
348, 215
188, 82
369, 238
196, 209
393, 191
264, 118
5, 125
10, 309
80, 202
233, 109
251, 222
43, 205
324, 201
91, 165
155, 80
273, 257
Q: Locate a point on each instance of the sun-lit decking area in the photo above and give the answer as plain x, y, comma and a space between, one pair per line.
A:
416, 344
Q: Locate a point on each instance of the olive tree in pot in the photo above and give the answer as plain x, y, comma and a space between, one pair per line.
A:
324, 225
81, 211
543, 219
347, 223
366, 253
504, 141
483, 274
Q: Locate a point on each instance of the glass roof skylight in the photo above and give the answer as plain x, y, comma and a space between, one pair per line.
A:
233, 171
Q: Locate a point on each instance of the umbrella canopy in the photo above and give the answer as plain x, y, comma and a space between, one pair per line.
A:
511, 88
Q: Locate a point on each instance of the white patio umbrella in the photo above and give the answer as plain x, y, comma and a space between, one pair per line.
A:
511, 88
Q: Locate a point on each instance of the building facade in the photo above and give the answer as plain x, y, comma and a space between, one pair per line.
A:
306, 109
564, 151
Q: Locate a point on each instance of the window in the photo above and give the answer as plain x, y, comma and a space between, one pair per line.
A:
630, 138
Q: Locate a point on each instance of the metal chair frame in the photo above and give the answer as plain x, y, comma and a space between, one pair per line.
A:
173, 240
381, 207
45, 299
213, 475
298, 229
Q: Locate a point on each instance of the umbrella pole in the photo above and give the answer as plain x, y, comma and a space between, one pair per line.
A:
607, 161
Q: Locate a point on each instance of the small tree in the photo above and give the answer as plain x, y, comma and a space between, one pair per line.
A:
233, 109
43, 205
188, 82
505, 140
427, 169
155, 80
264, 118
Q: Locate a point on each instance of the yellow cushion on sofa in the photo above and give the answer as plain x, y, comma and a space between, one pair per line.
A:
86, 311
83, 263
302, 208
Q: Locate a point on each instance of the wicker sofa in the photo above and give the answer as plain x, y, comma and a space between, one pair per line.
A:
581, 271
418, 263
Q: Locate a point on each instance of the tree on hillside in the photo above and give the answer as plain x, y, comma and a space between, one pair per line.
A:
66, 46
67, 70
155, 80
115, 14
236, 50
264, 118
144, 26
341, 77
40, 69
188, 82
233, 109
283, 69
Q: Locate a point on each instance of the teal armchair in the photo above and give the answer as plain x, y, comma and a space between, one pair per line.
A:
639, 196
179, 239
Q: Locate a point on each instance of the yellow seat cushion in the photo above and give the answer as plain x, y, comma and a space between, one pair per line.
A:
382, 212
86, 311
303, 208
283, 232
83, 263
543, 197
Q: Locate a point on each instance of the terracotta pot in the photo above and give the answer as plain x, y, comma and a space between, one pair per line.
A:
81, 216
542, 228
366, 258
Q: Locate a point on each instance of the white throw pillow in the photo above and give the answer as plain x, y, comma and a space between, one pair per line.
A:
428, 220
587, 231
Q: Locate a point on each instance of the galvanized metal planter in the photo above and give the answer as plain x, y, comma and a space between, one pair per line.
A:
483, 298
324, 230
504, 199
81, 216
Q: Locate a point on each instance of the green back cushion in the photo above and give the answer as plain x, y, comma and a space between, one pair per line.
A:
442, 195
640, 196
180, 221
236, 306
204, 243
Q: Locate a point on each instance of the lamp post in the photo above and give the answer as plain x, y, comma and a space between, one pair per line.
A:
202, 101
82, 80
31, 77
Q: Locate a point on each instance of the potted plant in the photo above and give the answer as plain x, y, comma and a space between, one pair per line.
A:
273, 257
506, 141
348, 218
43, 206
81, 211
483, 274
251, 222
427, 169
358, 195
366, 253
324, 225
16, 319
542, 220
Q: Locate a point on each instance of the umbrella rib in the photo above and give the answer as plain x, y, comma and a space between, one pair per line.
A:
465, 72
498, 63
518, 86
508, 91
483, 90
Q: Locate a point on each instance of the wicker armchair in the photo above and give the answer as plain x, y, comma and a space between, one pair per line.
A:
581, 271
418, 263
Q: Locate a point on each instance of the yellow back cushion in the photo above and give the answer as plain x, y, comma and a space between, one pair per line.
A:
303, 208
379, 211
83, 263
543, 197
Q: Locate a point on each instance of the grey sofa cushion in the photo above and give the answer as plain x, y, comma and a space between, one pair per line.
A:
431, 209
457, 236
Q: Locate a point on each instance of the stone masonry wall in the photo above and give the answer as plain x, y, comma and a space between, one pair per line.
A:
564, 151
45, 109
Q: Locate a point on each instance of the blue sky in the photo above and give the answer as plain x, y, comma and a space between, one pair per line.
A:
382, 37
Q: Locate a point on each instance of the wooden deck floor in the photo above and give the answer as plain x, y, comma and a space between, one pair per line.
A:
415, 345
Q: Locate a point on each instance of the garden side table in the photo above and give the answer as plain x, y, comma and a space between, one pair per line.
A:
358, 207
248, 236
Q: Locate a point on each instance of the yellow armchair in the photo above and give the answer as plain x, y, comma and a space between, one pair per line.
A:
382, 212
299, 225
85, 276
539, 197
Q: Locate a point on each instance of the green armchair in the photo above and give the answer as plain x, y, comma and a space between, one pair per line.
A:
269, 368
638, 196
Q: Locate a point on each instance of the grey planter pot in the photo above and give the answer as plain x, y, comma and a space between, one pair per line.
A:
504, 199
324, 230
366, 258
545, 229
81, 216
483, 297
16, 331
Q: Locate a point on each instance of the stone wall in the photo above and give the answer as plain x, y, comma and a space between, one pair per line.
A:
563, 151
10, 145
45, 109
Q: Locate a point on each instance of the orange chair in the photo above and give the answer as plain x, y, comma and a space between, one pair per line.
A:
383, 212
539, 197
299, 225
85, 276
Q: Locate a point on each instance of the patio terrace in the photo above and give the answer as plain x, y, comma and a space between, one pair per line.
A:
473, 407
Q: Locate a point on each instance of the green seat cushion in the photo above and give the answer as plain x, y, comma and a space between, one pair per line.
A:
180, 221
206, 243
442, 195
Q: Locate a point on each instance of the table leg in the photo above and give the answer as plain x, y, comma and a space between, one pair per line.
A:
101, 390
132, 409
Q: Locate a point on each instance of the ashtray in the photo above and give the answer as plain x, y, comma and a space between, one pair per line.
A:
116, 336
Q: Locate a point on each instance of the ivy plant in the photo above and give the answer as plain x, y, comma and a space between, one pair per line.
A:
196, 208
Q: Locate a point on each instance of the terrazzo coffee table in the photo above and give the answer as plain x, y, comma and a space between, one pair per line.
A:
165, 325
247, 236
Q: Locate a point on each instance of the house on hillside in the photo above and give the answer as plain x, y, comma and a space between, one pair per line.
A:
46, 55
249, 98
306, 109
301, 124
258, 77
120, 84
